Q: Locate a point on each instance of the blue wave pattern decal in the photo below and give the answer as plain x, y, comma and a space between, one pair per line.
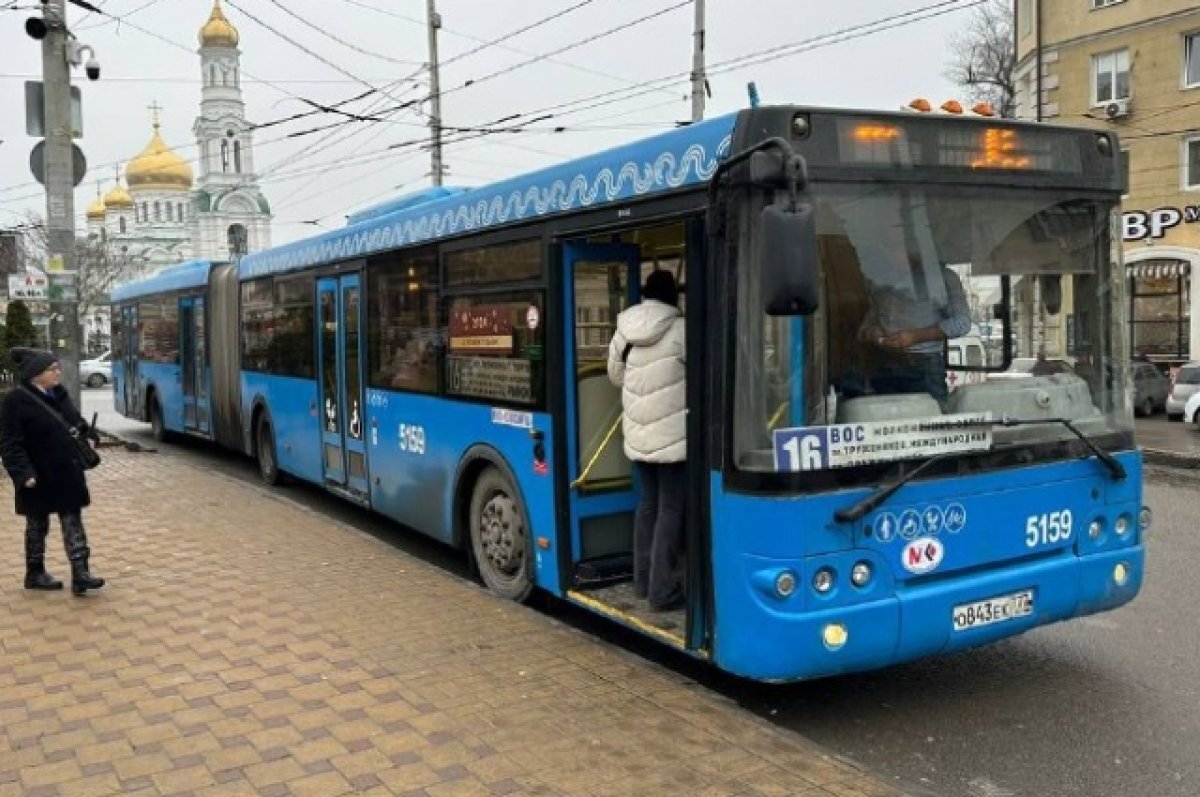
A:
683, 157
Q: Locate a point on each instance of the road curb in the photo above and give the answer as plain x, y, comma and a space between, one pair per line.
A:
1170, 459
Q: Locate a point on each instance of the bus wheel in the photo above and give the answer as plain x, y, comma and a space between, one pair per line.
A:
500, 537
268, 466
158, 426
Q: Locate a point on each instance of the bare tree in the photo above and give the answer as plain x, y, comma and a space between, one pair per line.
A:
983, 57
100, 266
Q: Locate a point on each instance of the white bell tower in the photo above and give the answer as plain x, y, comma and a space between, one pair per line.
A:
231, 214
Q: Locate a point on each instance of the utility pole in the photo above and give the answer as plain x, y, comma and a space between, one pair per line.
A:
60, 188
435, 94
698, 79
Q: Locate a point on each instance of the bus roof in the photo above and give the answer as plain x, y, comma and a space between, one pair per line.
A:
189, 274
675, 159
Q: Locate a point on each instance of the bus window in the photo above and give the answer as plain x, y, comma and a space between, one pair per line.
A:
158, 321
258, 309
510, 262
402, 321
277, 327
496, 347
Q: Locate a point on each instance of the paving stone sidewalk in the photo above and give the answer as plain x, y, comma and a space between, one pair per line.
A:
246, 645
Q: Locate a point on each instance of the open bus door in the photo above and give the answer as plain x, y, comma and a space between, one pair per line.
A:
193, 352
601, 280
342, 413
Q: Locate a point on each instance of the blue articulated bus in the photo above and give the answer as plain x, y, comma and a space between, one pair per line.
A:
441, 360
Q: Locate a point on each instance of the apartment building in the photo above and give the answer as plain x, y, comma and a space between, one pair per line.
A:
1132, 67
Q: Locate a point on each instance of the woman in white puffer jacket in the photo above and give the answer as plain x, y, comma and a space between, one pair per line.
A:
646, 360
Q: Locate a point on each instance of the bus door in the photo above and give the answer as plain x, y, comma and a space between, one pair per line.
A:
342, 410
193, 353
600, 281
130, 390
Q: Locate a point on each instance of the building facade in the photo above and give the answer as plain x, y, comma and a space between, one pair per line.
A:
159, 213
1132, 67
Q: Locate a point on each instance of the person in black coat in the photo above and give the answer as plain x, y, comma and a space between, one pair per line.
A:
44, 462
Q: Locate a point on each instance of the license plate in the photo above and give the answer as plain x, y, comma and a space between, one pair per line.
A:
993, 610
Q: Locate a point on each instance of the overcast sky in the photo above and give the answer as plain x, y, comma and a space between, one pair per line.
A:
152, 57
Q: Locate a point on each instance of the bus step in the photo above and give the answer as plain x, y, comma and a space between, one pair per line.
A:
604, 570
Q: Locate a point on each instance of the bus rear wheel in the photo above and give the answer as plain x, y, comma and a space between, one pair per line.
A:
268, 465
500, 537
158, 426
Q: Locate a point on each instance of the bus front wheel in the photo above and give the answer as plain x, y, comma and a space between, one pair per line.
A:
268, 465
500, 537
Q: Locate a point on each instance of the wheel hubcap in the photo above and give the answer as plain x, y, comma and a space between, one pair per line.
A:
502, 534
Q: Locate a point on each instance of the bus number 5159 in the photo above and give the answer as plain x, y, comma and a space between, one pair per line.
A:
1046, 529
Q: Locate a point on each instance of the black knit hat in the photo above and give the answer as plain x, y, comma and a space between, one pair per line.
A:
31, 362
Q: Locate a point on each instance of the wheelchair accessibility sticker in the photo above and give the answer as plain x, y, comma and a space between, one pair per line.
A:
916, 523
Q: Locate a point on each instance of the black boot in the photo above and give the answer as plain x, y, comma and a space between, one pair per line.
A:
81, 579
36, 577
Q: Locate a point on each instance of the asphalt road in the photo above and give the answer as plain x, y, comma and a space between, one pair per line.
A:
1106, 706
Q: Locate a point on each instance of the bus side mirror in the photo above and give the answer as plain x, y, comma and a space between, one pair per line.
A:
789, 259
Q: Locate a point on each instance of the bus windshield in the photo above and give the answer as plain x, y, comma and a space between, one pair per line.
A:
905, 269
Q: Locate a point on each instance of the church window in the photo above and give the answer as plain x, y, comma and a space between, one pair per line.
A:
169, 211
157, 212
182, 216
121, 224
224, 155
212, 75
237, 157
238, 243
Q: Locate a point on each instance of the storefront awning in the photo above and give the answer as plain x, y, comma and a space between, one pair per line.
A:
1158, 269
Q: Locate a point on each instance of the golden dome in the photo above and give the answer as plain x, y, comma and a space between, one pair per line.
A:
117, 198
218, 31
158, 167
95, 211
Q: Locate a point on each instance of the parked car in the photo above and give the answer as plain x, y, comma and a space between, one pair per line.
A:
1186, 384
1191, 409
96, 372
1150, 389
1023, 367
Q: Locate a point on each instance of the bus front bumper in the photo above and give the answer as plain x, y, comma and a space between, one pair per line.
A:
920, 619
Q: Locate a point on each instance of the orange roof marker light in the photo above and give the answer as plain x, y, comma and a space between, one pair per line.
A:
983, 109
952, 106
921, 104
873, 132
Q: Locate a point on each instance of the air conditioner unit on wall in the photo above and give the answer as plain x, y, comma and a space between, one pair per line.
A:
1117, 109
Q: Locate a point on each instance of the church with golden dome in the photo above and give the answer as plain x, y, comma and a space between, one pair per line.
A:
159, 211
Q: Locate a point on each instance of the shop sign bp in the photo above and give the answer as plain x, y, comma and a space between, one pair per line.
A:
810, 448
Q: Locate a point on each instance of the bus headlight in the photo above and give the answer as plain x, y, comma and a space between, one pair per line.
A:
823, 580
1122, 525
835, 636
860, 575
1095, 529
785, 583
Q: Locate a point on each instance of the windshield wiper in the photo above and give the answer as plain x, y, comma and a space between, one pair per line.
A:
1112, 463
853, 513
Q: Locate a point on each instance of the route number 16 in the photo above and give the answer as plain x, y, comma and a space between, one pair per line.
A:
1046, 529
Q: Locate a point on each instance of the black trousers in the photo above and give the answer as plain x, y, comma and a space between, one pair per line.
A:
37, 527
658, 533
